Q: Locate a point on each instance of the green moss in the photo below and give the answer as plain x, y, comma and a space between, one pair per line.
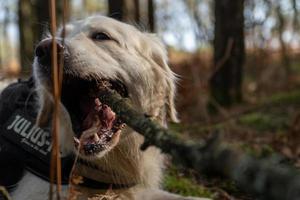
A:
286, 98
295, 67
195, 129
185, 186
229, 186
264, 151
267, 151
265, 121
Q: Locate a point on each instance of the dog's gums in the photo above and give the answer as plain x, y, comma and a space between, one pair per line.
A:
100, 127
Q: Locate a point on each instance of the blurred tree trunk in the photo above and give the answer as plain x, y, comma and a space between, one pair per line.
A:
4, 33
296, 15
151, 15
137, 12
129, 11
115, 9
34, 19
42, 16
229, 52
284, 49
25, 34
124, 10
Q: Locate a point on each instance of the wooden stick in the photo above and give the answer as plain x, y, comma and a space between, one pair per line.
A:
262, 178
154, 134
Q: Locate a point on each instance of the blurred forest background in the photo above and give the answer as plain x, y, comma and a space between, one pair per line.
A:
238, 62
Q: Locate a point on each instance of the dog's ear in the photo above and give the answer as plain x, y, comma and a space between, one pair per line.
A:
158, 53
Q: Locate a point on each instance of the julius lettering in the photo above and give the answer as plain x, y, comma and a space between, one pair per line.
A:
31, 134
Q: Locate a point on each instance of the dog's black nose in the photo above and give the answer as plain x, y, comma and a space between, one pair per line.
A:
44, 50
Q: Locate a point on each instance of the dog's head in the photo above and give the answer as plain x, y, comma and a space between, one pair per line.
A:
102, 50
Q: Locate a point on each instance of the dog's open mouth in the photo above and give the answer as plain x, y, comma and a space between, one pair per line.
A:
96, 126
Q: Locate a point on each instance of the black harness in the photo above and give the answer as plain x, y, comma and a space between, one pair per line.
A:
23, 145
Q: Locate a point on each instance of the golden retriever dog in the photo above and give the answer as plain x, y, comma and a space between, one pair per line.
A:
133, 63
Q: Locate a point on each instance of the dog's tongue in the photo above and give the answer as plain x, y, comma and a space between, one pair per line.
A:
99, 115
98, 122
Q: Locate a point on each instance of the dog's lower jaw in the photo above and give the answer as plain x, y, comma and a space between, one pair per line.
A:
126, 164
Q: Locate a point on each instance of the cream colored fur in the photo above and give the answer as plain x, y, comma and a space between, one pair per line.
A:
139, 60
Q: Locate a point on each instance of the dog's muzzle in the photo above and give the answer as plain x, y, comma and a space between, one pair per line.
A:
43, 51
95, 125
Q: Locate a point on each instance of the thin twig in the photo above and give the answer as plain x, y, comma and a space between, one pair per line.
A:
71, 191
55, 155
4, 194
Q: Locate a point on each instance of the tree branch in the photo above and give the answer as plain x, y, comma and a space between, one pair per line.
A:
260, 177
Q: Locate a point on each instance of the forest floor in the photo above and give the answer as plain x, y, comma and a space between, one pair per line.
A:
266, 125
266, 131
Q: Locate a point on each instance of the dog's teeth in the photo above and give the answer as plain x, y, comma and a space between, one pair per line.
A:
109, 134
123, 126
98, 104
96, 137
76, 142
97, 101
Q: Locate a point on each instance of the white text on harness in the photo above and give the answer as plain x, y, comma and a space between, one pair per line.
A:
32, 135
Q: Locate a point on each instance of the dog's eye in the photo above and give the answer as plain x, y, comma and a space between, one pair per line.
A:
101, 36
